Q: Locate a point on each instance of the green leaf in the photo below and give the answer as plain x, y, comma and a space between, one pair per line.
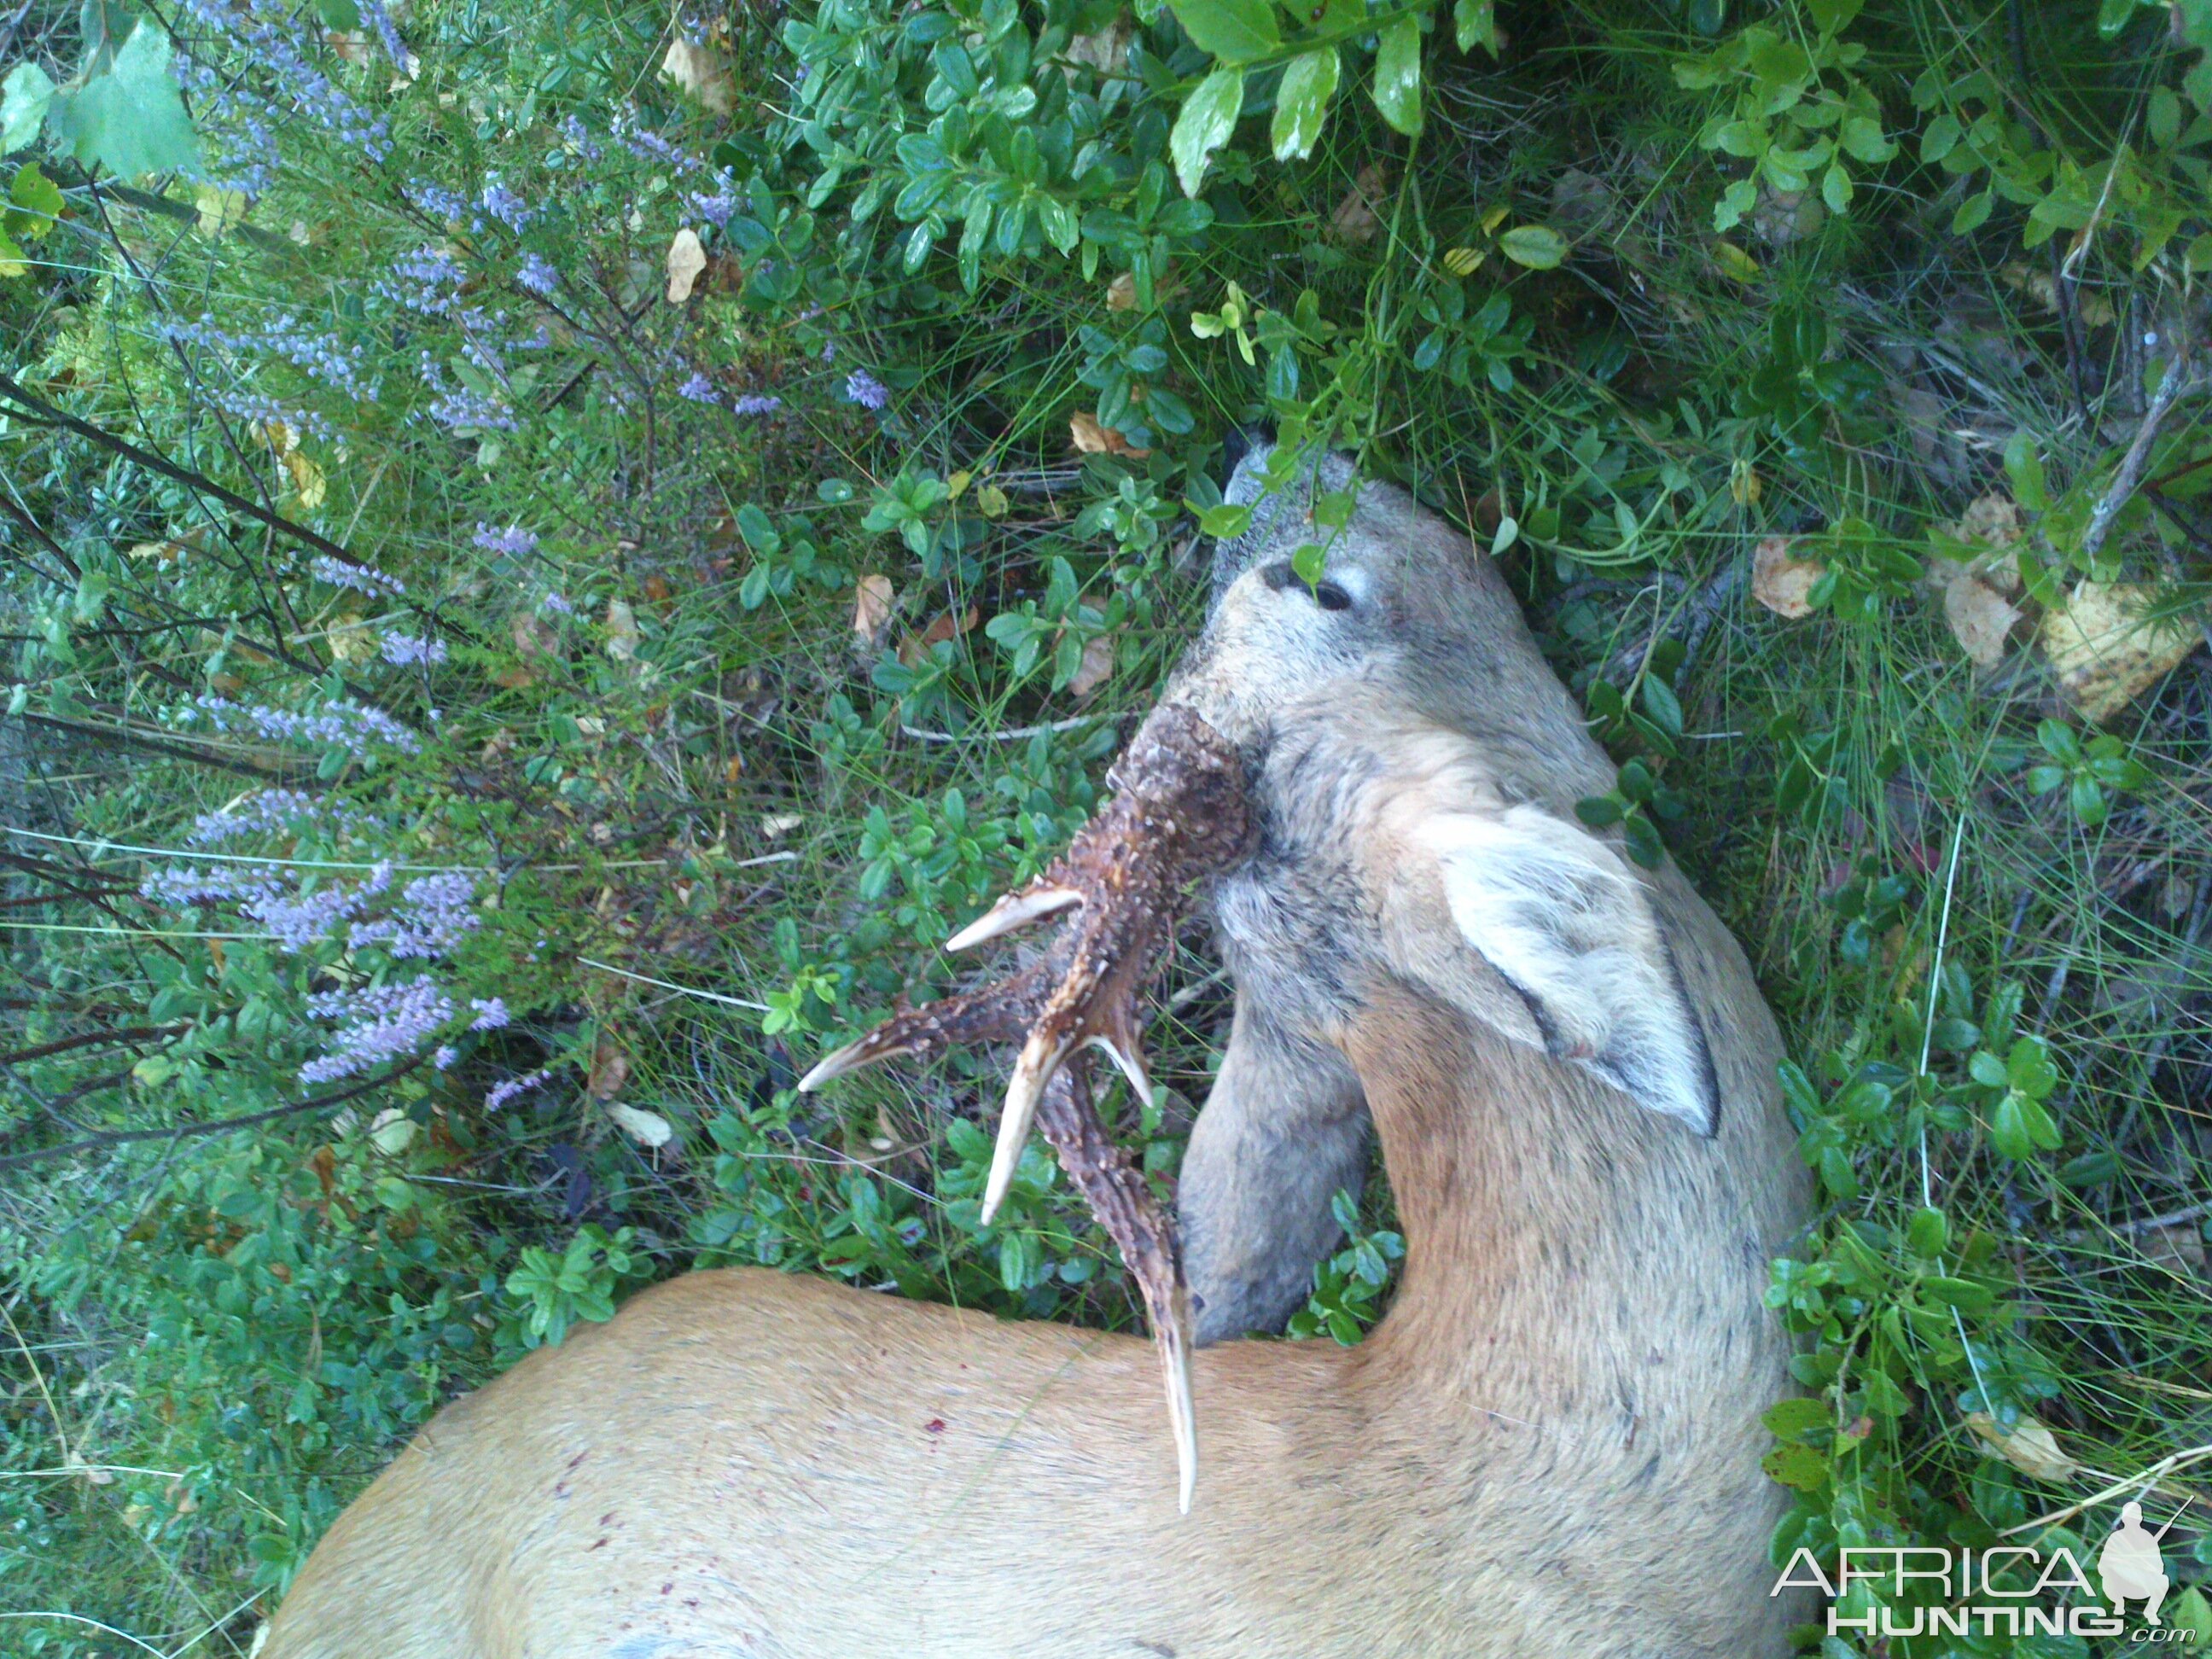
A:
2086, 798
2028, 1068
1398, 76
24, 96
2164, 118
1928, 1233
1476, 24
1786, 1419
131, 120
12, 262
1961, 1295
1208, 116
1234, 31
1863, 141
1663, 705
1302, 103
2019, 1126
1537, 246
2192, 1613
36, 196
2023, 463
1798, 1466
1836, 188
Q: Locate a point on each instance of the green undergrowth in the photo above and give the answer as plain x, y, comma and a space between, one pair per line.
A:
551, 560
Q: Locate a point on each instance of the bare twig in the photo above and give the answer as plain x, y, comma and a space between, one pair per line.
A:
2171, 385
1008, 734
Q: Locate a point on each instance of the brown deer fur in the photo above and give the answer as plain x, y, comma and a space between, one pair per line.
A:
1549, 1446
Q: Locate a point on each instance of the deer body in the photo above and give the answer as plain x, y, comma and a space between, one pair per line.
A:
1550, 1445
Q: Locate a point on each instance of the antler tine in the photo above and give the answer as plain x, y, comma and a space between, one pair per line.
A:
1123, 1203
997, 1012
1041, 898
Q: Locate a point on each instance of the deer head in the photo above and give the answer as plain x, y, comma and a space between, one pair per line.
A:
1378, 773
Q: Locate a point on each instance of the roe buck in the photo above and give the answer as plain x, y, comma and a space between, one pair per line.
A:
1548, 1447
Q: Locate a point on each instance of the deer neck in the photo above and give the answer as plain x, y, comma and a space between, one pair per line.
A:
1558, 1237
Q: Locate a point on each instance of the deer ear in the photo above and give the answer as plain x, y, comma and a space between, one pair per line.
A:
1566, 923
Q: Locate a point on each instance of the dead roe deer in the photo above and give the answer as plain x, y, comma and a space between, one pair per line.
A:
1548, 1447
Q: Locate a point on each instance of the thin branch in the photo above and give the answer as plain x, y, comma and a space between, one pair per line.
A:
169, 469
2171, 385
104, 1139
90, 1039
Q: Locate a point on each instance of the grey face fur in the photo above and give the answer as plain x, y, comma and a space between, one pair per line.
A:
1403, 689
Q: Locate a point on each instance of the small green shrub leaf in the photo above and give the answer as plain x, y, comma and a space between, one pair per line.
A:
1537, 246
1208, 116
1302, 104
1786, 1419
1234, 31
1398, 76
1800, 1467
24, 97
1474, 22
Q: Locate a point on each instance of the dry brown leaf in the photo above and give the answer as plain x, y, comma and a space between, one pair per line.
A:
1106, 50
687, 258
701, 71
91, 1475
2026, 1445
534, 638
943, 626
306, 478
1981, 619
947, 626
1991, 522
351, 47
2104, 650
1993, 518
647, 1128
622, 631
1091, 438
1122, 291
1095, 669
2093, 309
2178, 1246
1782, 583
872, 602
1359, 216
609, 1070
777, 825
351, 639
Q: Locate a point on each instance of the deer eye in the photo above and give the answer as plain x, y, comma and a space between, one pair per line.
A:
1329, 597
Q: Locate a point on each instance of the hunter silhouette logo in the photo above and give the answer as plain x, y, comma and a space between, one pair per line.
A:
2129, 1566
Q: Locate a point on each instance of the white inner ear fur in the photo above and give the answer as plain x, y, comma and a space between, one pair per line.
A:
1358, 584
1555, 911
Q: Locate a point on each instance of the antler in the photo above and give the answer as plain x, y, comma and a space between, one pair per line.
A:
1178, 813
